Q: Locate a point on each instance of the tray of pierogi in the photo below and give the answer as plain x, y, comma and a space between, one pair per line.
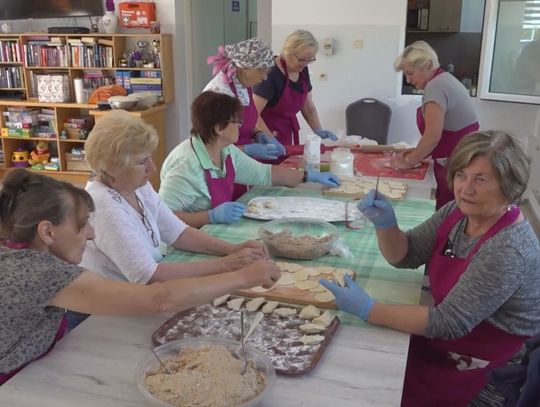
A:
288, 207
358, 187
293, 337
299, 284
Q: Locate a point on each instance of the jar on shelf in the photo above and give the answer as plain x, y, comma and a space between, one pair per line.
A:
110, 22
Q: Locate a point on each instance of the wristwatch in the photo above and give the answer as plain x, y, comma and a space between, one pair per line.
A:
304, 178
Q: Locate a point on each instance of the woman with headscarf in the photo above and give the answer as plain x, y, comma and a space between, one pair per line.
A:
237, 68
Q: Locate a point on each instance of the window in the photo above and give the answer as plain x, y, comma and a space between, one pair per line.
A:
511, 68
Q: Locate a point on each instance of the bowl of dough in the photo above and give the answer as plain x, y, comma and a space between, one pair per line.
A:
204, 371
298, 238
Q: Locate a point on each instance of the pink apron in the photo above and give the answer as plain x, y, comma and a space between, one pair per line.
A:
433, 377
249, 116
4, 377
444, 149
282, 117
220, 189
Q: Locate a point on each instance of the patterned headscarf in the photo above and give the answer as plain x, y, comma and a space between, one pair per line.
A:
252, 54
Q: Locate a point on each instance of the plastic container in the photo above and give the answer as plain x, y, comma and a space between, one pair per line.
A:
171, 349
342, 162
312, 152
298, 239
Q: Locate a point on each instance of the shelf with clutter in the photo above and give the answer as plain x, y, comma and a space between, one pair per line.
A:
67, 78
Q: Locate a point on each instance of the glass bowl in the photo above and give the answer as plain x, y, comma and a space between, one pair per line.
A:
171, 349
298, 239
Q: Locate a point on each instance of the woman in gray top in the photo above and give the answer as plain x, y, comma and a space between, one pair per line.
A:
445, 117
483, 262
44, 229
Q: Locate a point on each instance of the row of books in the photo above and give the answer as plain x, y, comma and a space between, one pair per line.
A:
11, 77
83, 122
94, 79
64, 56
10, 51
147, 81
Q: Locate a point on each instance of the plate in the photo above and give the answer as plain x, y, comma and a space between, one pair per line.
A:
288, 207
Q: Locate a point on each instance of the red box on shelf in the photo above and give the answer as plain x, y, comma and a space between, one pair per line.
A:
134, 14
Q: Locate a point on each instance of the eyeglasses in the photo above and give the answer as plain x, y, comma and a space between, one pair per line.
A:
147, 225
305, 61
237, 122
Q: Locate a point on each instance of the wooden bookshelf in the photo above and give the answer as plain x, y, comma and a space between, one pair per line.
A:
29, 54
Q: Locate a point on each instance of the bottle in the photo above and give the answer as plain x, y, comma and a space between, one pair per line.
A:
450, 68
312, 152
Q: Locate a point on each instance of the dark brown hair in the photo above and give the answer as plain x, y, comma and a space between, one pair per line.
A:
211, 109
27, 198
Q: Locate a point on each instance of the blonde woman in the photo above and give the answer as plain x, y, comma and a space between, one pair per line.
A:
445, 117
287, 91
131, 220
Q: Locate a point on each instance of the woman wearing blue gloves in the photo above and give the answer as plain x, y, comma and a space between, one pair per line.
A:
237, 68
198, 176
482, 259
287, 91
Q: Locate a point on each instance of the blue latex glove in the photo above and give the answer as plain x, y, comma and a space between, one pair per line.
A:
227, 212
325, 134
378, 210
325, 178
263, 138
351, 298
262, 151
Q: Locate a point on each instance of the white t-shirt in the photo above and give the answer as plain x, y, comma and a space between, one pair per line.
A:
124, 247
217, 84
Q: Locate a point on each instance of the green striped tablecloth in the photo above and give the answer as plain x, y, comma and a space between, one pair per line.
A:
382, 281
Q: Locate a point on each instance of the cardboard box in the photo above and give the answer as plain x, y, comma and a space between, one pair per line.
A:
137, 14
76, 162
53, 88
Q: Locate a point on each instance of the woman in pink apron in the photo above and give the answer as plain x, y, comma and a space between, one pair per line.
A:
445, 117
237, 68
482, 259
287, 91
198, 176
44, 229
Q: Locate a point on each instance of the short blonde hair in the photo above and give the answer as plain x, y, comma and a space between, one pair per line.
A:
505, 154
419, 55
299, 41
115, 138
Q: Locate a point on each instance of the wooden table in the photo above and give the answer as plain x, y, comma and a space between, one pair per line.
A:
363, 366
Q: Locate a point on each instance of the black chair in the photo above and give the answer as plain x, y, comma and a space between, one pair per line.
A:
369, 118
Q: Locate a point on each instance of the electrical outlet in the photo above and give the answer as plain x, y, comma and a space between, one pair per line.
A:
358, 44
323, 76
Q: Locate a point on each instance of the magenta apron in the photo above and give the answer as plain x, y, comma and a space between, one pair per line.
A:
282, 117
449, 373
444, 149
220, 189
249, 116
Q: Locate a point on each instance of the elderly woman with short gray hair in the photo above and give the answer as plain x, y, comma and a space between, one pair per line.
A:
131, 220
287, 91
445, 117
483, 263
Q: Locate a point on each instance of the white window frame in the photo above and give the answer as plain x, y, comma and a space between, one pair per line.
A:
486, 59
